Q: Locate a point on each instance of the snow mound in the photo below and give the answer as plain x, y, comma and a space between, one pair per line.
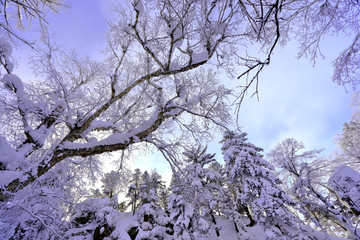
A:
14, 83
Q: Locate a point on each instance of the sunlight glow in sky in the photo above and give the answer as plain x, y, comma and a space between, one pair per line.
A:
296, 99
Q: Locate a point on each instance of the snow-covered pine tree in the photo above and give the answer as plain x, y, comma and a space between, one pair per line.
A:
256, 187
228, 209
194, 197
181, 213
113, 183
150, 187
204, 181
133, 190
153, 222
89, 219
146, 192
226, 206
156, 181
143, 193
158, 185
164, 198
152, 219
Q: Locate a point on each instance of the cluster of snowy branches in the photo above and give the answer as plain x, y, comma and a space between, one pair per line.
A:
158, 87
330, 204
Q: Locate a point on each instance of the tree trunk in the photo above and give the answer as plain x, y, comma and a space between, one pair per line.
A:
252, 221
214, 221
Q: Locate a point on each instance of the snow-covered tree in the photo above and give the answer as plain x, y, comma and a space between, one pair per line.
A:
153, 189
20, 14
152, 219
289, 156
309, 21
153, 222
226, 204
154, 79
181, 213
349, 143
307, 172
203, 181
196, 198
113, 183
348, 140
145, 186
162, 192
345, 182
156, 183
322, 208
95, 218
134, 189
146, 192
38, 212
257, 190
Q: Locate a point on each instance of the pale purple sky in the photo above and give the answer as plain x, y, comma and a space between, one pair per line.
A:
296, 99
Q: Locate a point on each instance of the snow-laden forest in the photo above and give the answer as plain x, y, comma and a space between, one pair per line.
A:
159, 87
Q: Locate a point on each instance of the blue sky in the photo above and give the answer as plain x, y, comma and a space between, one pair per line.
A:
296, 99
